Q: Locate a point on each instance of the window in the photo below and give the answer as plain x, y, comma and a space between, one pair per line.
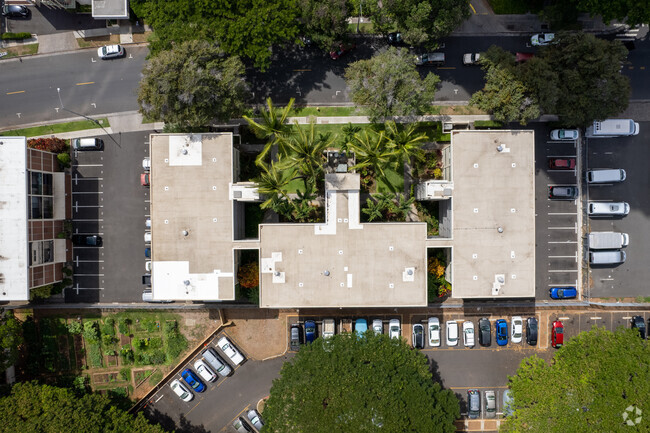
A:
41, 200
41, 252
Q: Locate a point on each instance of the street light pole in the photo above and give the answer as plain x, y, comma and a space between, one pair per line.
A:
95, 121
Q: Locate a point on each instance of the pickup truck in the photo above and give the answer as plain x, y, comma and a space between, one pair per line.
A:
607, 240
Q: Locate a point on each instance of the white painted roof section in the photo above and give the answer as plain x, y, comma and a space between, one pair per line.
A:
185, 150
110, 9
14, 259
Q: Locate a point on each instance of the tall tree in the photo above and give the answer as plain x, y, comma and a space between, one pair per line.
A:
272, 127
325, 22
11, 337
388, 84
273, 183
371, 151
359, 384
42, 408
304, 150
405, 141
191, 85
588, 386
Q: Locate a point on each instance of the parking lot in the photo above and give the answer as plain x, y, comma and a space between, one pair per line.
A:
108, 200
628, 279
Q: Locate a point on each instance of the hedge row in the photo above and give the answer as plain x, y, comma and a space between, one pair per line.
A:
22, 35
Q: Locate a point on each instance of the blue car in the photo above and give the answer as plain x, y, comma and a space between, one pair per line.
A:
502, 332
193, 380
360, 327
563, 292
147, 252
310, 331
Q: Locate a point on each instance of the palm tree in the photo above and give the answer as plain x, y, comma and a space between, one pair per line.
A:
272, 127
370, 151
407, 145
374, 209
402, 206
273, 182
304, 151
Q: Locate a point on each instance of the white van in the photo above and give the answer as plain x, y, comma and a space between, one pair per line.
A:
609, 128
216, 362
605, 208
606, 175
87, 144
147, 296
611, 257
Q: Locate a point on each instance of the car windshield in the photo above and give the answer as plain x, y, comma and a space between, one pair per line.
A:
469, 331
559, 330
434, 327
533, 327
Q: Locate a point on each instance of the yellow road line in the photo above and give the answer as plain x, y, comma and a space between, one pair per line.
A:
13, 93
473, 10
446, 67
83, 84
302, 70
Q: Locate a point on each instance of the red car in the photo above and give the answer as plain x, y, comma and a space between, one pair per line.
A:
557, 334
144, 179
562, 163
522, 57
343, 49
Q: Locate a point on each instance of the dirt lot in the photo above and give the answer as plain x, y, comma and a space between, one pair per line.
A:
261, 333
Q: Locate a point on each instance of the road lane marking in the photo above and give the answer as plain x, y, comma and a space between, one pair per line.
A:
83, 84
14, 93
473, 10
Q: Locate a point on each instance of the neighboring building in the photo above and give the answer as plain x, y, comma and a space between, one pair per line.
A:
110, 9
35, 201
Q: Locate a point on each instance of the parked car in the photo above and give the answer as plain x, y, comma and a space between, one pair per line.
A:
639, 323
226, 346
507, 403
468, 333
110, 52
342, 50
240, 425
204, 371
565, 134
517, 327
147, 223
531, 331
148, 266
490, 404
15, 11
255, 419
147, 237
557, 334
146, 280
502, 332
147, 252
473, 403
144, 179
146, 163
395, 39
360, 327
452, 332
562, 163
192, 380
471, 58
562, 192
378, 326
522, 57
295, 336
484, 331
430, 59
418, 336
434, 331
180, 390
394, 329
542, 39
310, 331
563, 292
87, 240
215, 361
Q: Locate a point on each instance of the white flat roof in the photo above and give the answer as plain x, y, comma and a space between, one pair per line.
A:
14, 258
493, 214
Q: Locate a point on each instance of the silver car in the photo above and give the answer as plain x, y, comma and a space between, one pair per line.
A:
490, 404
240, 425
255, 419
377, 326
394, 329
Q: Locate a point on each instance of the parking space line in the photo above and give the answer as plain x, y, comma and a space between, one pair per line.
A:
563, 270
89, 165
561, 257
87, 275
563, 213
89, 219
561, 228
194, 407
87, 192
562, 242
564, 318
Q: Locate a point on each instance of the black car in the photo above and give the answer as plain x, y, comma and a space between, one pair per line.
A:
295, 336
531, 331
639, 323
146, 280
395, 39
87, 240
418, 336
15, 11
484, 332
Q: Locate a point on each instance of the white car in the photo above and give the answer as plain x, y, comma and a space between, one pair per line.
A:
226, 347
452, 333
541, 39
468, 334
394, 330
471, 58
564, 134
110, 51
517, 326
377, 326
147, 237
147, 266
146, 163
433, 326
180, 390
204, 371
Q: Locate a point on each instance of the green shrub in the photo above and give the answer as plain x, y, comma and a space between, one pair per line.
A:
487, 124
123, 325
108, 340
42, 292
126, 353
125, 373
74, 327
90, 333
64, 159
21, 35
94, 355
149, 325
175, 342
108, 327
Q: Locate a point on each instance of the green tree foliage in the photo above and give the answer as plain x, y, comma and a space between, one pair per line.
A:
325, 22
272, 126
371, 151
42, 408
357, 384
629, 11
191, 85
388, 84
421, 22
586, 388
246, 28
11, 337
304, 150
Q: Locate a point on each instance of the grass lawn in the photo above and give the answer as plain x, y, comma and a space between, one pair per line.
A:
35, 131
21, 50
366, 28
394, 181
325, 111
295, 186
98, 41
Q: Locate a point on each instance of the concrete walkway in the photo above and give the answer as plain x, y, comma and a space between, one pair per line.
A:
57, 42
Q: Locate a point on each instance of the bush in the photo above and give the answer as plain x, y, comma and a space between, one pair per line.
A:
248, 275
487, 124
94, 355
127, 355
90, 332
125, 373
74, 327
175, 342
64, 159
21, 35
123, 325
53, 144
42, 292
108, 327
107, 340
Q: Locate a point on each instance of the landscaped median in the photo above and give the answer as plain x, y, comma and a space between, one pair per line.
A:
56, 128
